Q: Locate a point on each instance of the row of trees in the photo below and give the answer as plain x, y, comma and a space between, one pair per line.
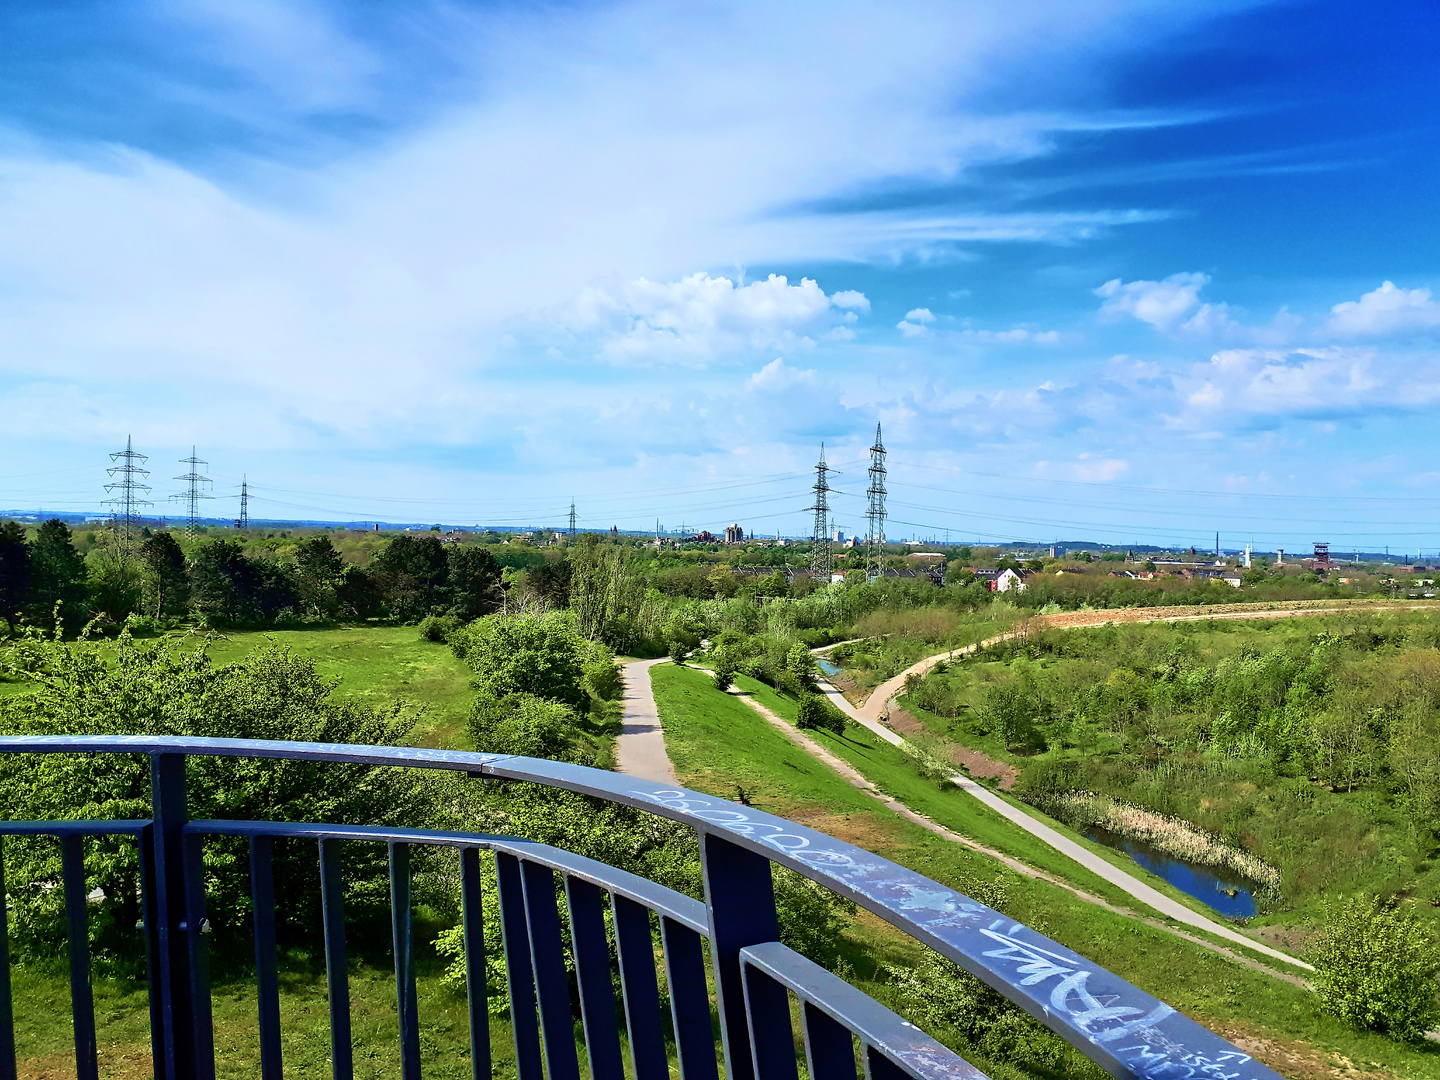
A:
409, 579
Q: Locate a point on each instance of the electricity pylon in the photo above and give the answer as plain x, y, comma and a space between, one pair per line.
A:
875, 512
128, 501
194, 493
821, 563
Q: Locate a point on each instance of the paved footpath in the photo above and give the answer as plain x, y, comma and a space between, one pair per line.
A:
640, 749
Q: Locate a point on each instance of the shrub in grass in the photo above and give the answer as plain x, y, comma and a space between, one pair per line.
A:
724, 674
438, 628
817, 714
1375, 968
678, 651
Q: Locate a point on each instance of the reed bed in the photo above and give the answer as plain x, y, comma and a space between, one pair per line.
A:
1174, 836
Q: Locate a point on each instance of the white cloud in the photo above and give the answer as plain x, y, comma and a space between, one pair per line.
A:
1162, 304
776, 376
914, 325
700, 317
1386, 310
1307, 381
1016, 335
849, 298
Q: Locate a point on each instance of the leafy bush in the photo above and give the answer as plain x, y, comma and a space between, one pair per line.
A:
521, 724
525, 654
678, 651
602, 675
143, 625
815, 713
724, 674
438, 628
1375, 968
144, 688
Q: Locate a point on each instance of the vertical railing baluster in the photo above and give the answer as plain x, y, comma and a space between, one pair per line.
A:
406, 1000
77, 933
690, 1002
7, 1011
167, 787
515, 929
472, 917
592, 970
740, 896
552, 985
772, 1040
337, 975
829, 1051
642, 993
267, 980
149, 929
879, 1067
196, 927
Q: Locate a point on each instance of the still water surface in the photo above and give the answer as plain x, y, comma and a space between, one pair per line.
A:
1209, 885
826, 666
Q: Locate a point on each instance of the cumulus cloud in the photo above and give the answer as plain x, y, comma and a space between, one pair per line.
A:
700, 317
1162, 304
1304, 382
777, 376
1387, 310
916, 323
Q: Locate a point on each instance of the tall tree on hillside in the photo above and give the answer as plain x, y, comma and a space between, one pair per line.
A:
167, 585
414, 576
57, 575
318, 570
474, 582
14, 570
357, 596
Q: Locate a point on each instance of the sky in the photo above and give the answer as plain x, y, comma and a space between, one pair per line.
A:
1126, 271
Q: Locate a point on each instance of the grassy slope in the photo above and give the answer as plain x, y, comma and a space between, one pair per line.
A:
716, 742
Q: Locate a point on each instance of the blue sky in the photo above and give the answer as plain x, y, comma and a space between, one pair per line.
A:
1131, 271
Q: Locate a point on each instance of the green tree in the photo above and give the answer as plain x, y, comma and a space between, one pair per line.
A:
230, 587
357, 596
159, 688
318, 568
1375, 968
166, 582
115, 582
414, 576
800, 663
525, 654
474, 581
14, 571
57, 575
815, 713
605, 592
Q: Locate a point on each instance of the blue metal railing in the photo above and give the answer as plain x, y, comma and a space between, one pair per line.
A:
1125, 1030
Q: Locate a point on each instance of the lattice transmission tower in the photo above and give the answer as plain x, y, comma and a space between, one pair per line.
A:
572, 521
244, 520
875, 510
131, 487
821, 563
192, 495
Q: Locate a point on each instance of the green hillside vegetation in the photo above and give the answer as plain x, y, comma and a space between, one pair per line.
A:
1312, 746
721, 746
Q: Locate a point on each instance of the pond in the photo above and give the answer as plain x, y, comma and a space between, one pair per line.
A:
827, 666
1227, 893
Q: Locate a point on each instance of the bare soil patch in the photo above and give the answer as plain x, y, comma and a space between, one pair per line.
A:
981, 766
906, 723
1299, 1060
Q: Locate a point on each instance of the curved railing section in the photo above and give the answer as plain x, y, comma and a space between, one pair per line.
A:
1124, 1029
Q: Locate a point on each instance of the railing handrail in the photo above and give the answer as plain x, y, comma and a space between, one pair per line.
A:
1124, 1029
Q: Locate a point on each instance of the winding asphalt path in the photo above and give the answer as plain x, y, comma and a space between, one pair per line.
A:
640, 748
